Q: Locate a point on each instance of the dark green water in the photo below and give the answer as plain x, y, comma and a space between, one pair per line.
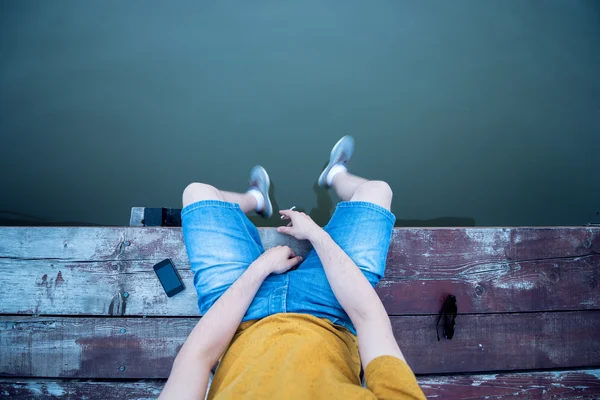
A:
476, 112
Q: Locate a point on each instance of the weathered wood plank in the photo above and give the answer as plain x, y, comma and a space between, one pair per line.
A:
578, 384
97, 288
494, 269
574, 384
111, 244
525, 285
410, 248
86, 271
91, 288
66, 389
145, 347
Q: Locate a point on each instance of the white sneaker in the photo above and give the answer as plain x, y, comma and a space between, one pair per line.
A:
259, 180
340, 154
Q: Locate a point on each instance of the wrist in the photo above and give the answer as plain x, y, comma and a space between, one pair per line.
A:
317, 235
259, 270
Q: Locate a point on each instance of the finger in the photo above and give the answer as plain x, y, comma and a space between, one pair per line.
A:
285, 230
291, 253
287, 213
294, 261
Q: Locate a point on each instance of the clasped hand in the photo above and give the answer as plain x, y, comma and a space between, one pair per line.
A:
280, 259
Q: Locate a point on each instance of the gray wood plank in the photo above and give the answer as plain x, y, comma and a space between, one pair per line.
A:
87, 271
573, 384
98, 288
409, 248
111, 244
110, 348
577, 384
477, 249
66, 389
91, 288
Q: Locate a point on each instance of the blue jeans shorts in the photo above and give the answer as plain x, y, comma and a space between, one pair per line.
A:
221, 243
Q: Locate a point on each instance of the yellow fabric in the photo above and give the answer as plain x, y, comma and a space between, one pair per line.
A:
298, 356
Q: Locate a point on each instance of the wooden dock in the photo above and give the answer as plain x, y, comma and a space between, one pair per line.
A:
83, 314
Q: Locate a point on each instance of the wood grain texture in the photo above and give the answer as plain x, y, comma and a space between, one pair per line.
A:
575, 384
145, 347
86, 271
91, 288
493, 269
76, 244
71, 389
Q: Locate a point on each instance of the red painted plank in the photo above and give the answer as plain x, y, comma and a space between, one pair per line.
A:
145, 348
475, 247
493, 342
569, 283
493, 270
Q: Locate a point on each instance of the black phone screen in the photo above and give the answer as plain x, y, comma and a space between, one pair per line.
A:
168, 277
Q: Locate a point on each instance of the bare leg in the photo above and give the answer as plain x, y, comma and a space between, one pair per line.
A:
345, 184
201, 191
354, 188
246, 201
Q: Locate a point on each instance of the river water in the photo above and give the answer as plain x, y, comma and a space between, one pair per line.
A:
476, 112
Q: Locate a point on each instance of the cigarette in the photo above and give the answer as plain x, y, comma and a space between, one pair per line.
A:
291, 209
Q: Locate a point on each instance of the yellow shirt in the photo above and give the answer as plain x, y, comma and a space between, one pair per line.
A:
298, 356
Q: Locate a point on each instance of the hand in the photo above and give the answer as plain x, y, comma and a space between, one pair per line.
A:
277, 260
302, 227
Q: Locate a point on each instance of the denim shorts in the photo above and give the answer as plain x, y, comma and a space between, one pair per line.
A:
221, 243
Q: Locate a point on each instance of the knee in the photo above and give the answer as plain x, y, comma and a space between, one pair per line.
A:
380, 187
378, 192
376, 188
200, 191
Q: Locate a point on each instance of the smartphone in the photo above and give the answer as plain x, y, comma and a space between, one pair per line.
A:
169, 277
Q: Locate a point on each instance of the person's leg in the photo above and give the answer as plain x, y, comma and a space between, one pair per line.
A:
363, 219
220, 240
361, 225
351, 187
363, 229
196, 192
255, 199
354, 188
